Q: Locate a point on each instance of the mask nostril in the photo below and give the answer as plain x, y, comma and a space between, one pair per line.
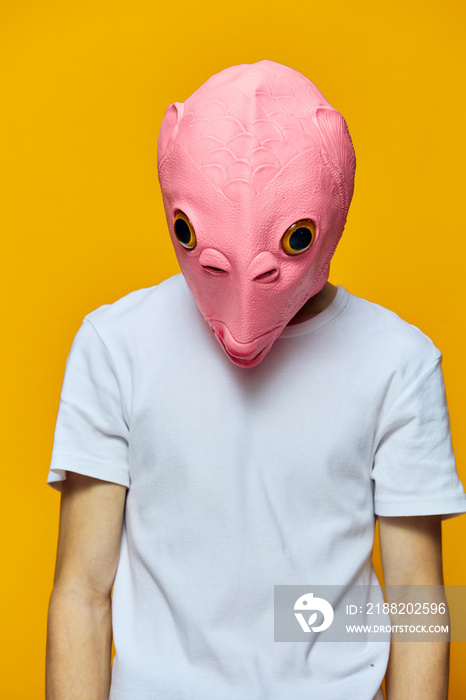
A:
214, 262
214, 270
268, 276
264, 268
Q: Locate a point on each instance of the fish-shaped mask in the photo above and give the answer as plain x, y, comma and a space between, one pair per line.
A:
257, 174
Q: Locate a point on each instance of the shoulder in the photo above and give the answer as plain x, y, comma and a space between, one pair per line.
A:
139, 301
141, 320
141, 307
382, 333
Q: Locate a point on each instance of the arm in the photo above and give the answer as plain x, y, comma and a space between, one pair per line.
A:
79, 635
411, 550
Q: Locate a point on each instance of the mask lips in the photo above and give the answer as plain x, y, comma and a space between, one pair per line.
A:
244, 354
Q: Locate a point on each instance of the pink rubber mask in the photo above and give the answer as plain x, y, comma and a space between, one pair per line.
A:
256, 171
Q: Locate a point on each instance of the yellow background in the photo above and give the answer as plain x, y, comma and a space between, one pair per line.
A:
84, 88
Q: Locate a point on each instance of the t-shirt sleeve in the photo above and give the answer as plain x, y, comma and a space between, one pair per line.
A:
91, 433
414, 469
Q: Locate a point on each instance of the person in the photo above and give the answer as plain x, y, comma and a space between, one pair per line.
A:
241, 426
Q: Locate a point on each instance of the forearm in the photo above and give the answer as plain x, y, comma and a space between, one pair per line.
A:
411, 549
79, 642
418, 671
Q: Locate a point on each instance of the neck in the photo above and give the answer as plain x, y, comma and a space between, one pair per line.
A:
315, 305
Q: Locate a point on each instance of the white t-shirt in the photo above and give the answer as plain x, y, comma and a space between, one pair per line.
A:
240, 480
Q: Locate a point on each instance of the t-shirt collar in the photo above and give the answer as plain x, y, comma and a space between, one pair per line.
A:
325, 316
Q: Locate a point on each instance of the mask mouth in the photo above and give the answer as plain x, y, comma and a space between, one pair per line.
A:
244, 355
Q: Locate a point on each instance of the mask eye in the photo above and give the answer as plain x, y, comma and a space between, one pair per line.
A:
299, 237
184, 231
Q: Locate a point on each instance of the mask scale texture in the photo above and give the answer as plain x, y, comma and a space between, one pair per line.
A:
254, 150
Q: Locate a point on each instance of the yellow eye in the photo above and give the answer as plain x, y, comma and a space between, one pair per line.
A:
299, 237
184, 231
